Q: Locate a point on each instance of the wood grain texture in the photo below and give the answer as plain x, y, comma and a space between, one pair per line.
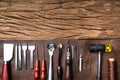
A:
52, 19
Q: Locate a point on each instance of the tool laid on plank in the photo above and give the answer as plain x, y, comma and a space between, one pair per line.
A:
68, 67
24, 49
43, 75
59, 68
74, 58
16, 56
37, 67
80, 60
19, 57
51, 47
100, 49
8, 54
31, 47
111, 69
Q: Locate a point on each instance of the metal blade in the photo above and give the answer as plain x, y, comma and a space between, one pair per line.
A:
8, 51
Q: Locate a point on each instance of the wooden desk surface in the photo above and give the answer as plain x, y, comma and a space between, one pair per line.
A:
89, 59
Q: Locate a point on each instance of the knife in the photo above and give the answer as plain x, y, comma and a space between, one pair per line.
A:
8, 54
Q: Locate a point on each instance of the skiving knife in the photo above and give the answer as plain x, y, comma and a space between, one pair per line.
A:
8, 54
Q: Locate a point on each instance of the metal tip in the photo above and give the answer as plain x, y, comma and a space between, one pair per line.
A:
51, 45
68, 48
60, 46
111, 59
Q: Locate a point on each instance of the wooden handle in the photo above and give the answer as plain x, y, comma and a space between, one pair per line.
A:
68, 72
5, 71
111, 69
43, 70
36, 70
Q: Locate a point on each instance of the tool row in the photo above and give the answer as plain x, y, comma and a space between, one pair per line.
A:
21, 49
73, 63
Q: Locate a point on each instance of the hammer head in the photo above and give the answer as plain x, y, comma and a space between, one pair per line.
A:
100, 48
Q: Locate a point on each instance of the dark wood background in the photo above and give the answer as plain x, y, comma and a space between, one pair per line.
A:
89, 59
53, 19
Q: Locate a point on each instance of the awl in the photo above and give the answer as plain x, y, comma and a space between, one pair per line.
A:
68, 68
8, 54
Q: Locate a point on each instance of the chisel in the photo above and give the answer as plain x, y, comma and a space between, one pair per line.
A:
31, 47
16, 56
24, 49
19, 57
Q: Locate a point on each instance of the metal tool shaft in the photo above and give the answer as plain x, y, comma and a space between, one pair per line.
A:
31, 48
80, 63
99, 66
50, 76
74, 58
31, 60
80, 60
20, 57
25, 61
51, 48
16, 57
24, 48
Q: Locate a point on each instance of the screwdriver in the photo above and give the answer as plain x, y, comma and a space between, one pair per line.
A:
43, 67
37, 67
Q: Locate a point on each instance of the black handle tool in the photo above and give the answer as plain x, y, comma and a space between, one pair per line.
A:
59, 68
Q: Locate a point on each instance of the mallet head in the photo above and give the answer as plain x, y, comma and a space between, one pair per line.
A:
100, 48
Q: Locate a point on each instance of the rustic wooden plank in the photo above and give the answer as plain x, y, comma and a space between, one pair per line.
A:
52, 19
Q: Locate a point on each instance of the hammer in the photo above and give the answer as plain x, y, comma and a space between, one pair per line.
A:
100, 49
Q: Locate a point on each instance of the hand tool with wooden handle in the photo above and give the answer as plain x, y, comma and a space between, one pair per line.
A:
59, 68
100, 49
43, 75
43, 70
51, 47
68, 68
37, 67
8, 54
112, 69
